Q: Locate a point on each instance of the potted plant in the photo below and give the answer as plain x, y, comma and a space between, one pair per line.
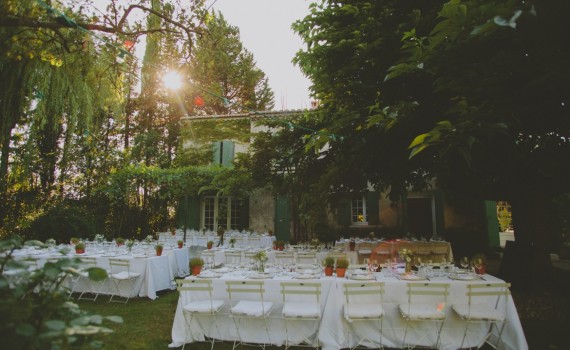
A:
270, 233
79, 248
120, 241
196, 266
328, 263
158, 249
280, 245
341, 266
479, 264
232, 242
210, 244
74, 240
173, 231
221, 232
130, 243
180, 243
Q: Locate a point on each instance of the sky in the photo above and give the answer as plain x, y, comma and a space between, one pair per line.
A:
265, 31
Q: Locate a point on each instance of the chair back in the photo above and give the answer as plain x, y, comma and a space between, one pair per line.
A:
119, 265
307, 257
304, 290
246, 290
284, 257
421, 293
477, 293
362, 293
232, 257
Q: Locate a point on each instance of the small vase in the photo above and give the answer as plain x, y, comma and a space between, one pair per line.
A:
408, 267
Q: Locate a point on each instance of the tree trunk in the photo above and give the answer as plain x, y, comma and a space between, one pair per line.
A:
531, 218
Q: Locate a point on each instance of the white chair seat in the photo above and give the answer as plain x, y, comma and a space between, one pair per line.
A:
203, 306
252, 308
125, 275
363, 311
422, 311
301, 310
478, 312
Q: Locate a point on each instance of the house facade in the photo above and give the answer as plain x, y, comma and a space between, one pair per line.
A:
218, 139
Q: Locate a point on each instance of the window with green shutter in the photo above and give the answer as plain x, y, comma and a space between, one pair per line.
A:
223, 152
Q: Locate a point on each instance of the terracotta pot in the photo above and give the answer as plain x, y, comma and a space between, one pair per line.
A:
329, 270
209, 245
79, 251
281, 247
180, 245
120, 244
340, 272
481, 270
195, 270
158, 252
173, 233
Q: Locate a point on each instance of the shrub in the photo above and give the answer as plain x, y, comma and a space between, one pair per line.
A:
61, 222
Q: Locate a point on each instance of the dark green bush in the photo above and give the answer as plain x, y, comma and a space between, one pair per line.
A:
61, 223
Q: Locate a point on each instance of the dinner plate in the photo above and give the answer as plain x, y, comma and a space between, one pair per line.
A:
209, 275
360, 277
463, 277
222, 270
261, 276
305, 277
412, 277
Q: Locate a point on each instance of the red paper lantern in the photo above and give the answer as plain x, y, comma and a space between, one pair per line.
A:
129, 44
199, 101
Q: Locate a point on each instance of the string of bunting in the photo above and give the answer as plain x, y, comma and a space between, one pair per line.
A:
198, 100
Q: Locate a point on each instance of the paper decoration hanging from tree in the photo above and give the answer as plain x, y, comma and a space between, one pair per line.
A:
199, 101
129, 44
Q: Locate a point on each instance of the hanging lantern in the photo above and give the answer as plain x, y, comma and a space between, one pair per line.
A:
129, 44
199, 101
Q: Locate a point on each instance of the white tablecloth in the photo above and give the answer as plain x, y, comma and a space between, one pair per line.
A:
334, 332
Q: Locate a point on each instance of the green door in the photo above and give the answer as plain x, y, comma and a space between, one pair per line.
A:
282, 219
492, 224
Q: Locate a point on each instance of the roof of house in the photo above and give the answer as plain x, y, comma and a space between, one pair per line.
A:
252, 114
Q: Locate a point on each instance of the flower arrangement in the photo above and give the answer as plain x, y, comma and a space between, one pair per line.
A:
360, 218
232, 242
149, 239
408, 257
129, 244
51, 241
315, 242
80, 248
99, 238
261, 258
74, 240
159, 248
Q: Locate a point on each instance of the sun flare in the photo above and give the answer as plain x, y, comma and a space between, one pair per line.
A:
172, 80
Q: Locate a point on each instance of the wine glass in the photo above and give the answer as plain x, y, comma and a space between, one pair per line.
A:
374, 266
418, 262
464, 262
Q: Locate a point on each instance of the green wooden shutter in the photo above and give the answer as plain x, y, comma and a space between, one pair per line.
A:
244, 213
227, 157
373, 208
216, 147
188, 213
343, 218
492, 224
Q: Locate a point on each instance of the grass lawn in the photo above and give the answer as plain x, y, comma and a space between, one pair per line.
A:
544, 314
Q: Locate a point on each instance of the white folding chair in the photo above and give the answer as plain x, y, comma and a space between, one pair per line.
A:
121, 274
254, 242
307, 257
208, 257
93, 288
364, 251
284, 257
201, 304
430, 307
232, 258
364, 303
301, 302
484, 307
249, 304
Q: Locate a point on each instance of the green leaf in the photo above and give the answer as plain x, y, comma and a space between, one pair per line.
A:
116, 319
25, 329
97, 274
418, 140
55, 325
417, 150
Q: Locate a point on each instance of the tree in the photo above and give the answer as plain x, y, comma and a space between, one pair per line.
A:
476, 89
225, 73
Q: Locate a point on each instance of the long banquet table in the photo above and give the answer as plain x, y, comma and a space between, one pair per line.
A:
334, 331
157, 272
